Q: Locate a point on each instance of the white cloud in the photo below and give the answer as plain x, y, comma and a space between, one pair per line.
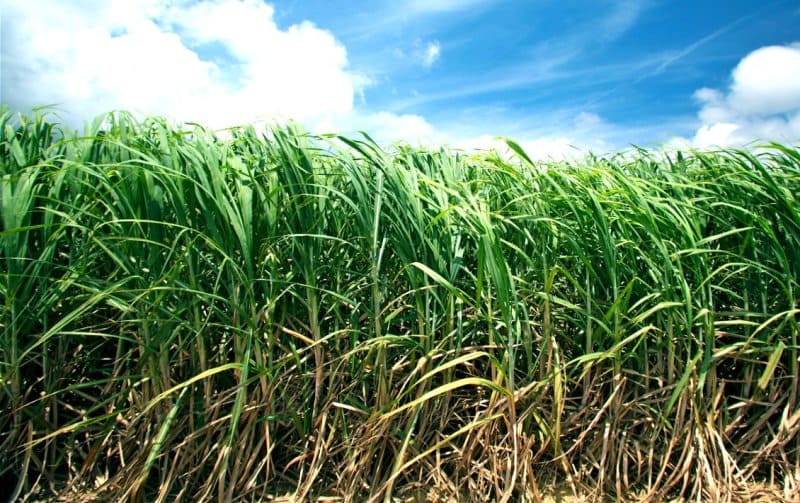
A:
767, 81
585, 132
573, 140
386, 127
590, 133
718, 133
432, 52
419, 53
93, 56
763, 102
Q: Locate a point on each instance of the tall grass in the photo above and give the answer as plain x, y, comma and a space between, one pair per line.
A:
190, 317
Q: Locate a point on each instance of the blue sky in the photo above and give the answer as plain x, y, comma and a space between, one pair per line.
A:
597, 75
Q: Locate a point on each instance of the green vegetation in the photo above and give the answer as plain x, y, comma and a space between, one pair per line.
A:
187, 316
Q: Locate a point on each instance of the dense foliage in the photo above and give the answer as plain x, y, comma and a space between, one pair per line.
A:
196, 316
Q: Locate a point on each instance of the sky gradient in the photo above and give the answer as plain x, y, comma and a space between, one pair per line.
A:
554, 75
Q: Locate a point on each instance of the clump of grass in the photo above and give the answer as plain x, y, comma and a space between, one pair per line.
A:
186, 317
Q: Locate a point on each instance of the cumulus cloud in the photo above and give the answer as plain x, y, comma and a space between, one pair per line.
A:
762, 103
767, 81
158, 57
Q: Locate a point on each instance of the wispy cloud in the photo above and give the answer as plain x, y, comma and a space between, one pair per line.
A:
567, 47
673, 58
420, 7
621, 17
548, 60
451, 90
689, 49
656, 64
532, 76
552, 59
392, 17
